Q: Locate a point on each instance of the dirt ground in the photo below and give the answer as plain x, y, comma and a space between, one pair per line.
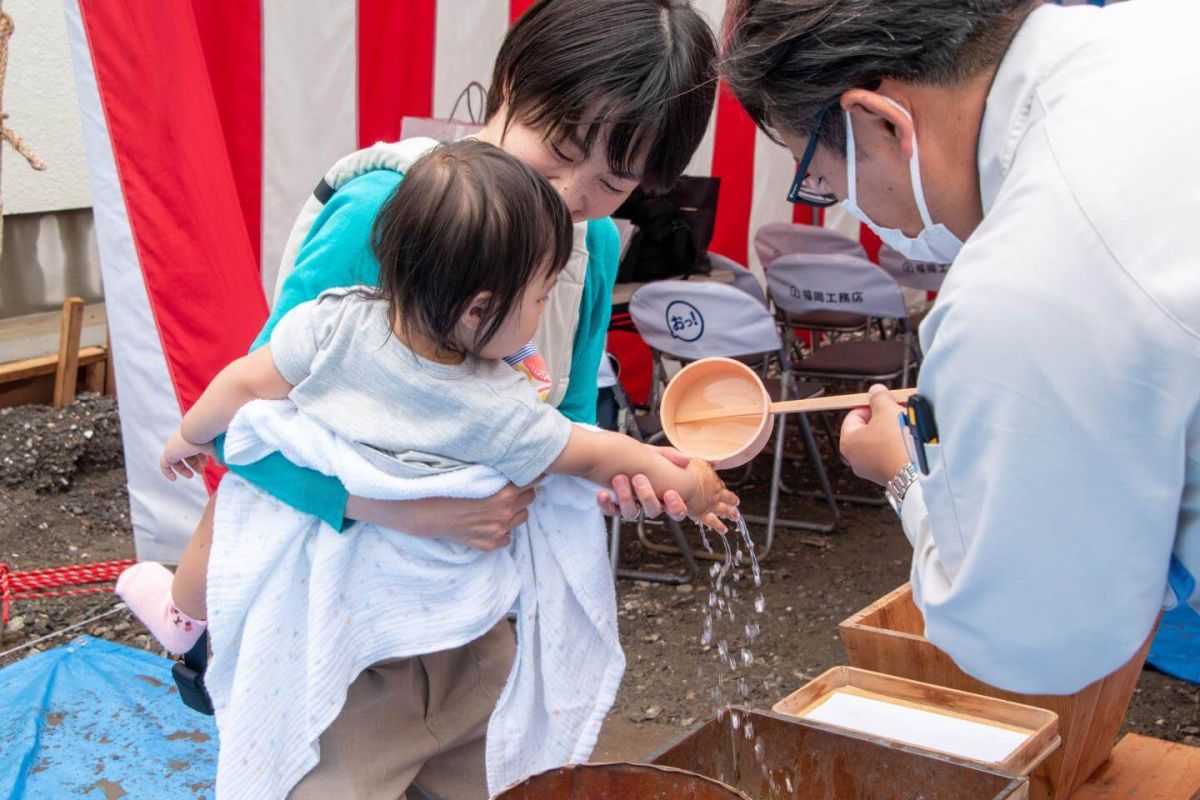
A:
63, 501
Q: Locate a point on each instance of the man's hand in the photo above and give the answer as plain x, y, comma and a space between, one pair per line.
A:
872, 440
485, 524
621, 499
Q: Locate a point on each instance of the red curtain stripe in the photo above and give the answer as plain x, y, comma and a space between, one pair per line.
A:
231, 37
733, 163
518, 7
197, 262
396, 43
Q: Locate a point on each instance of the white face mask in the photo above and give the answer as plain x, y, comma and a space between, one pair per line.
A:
935, 243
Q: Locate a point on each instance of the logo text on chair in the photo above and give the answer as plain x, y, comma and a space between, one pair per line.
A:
815, 295
684, 321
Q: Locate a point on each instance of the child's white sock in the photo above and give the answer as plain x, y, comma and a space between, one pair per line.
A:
146, 589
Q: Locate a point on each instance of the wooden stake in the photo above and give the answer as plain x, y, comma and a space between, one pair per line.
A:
67, 372
110, 377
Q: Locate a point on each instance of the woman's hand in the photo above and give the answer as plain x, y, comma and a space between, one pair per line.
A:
485, 524
621, 499
181, 457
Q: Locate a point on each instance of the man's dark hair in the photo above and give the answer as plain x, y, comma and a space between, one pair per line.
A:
786, 60
644, 69
467, 218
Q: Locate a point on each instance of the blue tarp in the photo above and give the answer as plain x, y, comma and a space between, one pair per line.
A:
93, 719
1176, 647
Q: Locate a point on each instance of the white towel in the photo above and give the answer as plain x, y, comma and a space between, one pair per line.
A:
297, 611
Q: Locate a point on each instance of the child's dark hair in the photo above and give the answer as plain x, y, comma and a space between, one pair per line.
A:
467, 218
643, 69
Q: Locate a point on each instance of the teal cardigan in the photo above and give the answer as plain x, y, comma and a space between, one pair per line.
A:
337, 252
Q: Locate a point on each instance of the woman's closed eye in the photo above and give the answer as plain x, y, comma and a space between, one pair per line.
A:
560, 155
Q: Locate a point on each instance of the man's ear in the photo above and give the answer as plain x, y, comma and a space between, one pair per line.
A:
872, 110
473, 317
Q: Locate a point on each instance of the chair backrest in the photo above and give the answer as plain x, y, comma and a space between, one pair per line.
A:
779, 239
913, 274
688, 320
803, 284
742, 278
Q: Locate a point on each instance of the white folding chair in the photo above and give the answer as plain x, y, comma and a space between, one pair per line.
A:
686, 321
742, 278
920, 275
800, 285
778, 239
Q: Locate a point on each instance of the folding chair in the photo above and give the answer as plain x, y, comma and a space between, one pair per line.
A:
686, 321
647, 429
742, 278
920, 275
800, 285
779, 239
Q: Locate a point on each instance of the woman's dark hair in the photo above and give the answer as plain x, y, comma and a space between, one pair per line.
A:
467, 218
642, 71
787, 59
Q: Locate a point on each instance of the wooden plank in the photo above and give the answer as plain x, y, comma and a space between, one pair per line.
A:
1147, 769
45, 365
67, 370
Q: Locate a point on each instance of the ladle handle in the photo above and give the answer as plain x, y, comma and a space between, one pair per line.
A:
837, 402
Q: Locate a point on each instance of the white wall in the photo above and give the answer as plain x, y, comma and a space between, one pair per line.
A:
39, 96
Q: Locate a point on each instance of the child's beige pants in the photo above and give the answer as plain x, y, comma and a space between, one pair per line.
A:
415, 721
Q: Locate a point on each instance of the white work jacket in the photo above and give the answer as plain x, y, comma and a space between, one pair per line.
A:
1063, 357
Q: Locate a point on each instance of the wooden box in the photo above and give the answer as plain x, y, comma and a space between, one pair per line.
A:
993, 733
887, 637
803, 760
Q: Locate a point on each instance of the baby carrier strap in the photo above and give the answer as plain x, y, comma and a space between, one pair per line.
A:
394, 156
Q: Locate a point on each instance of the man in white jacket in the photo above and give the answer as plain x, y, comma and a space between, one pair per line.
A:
1050, 154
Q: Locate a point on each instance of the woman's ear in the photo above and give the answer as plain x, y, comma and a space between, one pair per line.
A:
875, 112
473, 317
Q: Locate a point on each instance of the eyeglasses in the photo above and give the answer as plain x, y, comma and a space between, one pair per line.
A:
803, 190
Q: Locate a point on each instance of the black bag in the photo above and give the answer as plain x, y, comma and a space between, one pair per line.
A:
673, 231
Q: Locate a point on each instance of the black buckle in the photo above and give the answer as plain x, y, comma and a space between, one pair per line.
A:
189, 677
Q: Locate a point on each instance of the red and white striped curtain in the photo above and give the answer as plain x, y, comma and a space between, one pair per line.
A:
207, 124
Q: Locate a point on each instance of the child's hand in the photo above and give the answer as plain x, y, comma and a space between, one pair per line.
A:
710, 501
182, 457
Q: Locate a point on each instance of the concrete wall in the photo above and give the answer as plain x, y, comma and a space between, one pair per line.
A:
39, 96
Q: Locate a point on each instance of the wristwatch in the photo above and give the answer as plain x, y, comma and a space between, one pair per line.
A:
897, 487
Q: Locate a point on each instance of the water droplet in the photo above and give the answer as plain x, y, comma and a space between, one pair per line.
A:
760, 749
747, 657
752, 630
749, 729
723, 649
735, 720
790, 787
760, 604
